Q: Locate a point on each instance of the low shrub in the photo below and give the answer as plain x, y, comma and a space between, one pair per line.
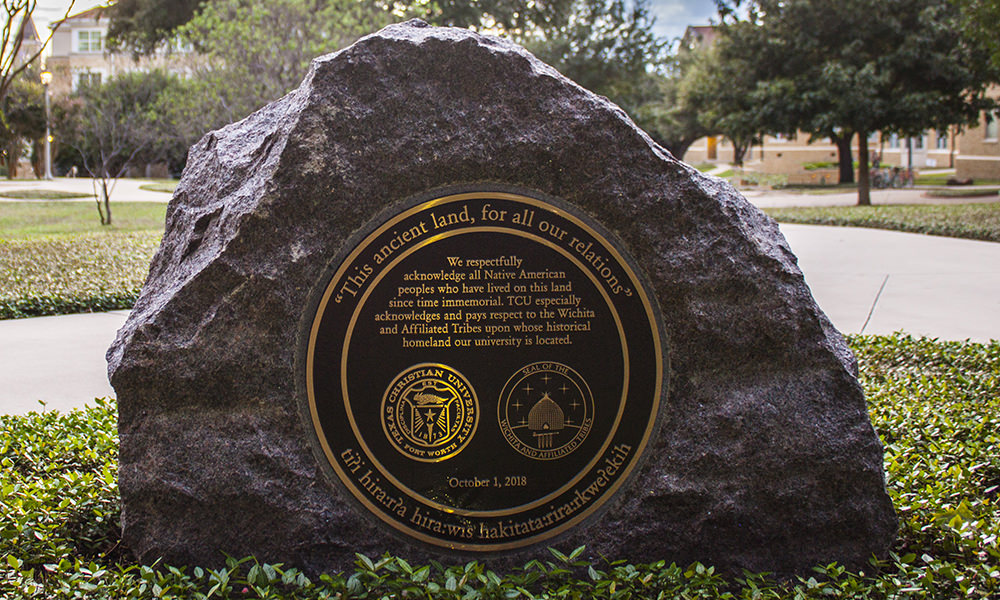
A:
971, 221
942, 178
69, 274
936, 406
823, 164
961, 192
33, 194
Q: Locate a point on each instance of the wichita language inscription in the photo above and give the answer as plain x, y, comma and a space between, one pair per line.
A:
484, 369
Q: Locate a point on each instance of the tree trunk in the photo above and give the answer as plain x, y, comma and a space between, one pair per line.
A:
864, 181
679, 148
739, 151
100, 196
107, 205
844, 157
100, 208
106, 214
13, 155
38, 159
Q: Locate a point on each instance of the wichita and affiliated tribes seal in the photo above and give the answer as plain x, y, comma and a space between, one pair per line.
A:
483, 369
545, 411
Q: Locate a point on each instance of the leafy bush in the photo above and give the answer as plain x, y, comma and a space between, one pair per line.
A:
936, 406
971, 221
68, 274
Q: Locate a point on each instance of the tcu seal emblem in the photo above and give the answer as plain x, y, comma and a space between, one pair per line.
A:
429, 412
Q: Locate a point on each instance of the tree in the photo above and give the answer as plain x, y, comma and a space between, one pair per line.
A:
854, 67
15, 61
253, 53
113, 124
518, 19
24, 109
980, 18
668, 114
143, 26
608, 47
721, 83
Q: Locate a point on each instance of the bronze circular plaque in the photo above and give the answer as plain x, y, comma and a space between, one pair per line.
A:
484, 369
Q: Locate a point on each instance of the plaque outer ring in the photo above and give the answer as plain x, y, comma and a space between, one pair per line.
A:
386, 219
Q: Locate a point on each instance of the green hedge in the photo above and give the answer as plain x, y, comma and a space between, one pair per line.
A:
936, 406
76, 273
970, 221
34, 194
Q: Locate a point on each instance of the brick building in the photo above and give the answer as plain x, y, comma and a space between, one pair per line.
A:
79, 54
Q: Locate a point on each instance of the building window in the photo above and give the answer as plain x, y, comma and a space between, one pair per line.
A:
894, 141
942, 140
86, 78
918, 142
991, 125
90, 40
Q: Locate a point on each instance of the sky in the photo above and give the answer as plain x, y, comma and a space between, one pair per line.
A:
672, 16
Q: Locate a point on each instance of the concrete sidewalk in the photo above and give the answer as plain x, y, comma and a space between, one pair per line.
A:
867, 281
875, 281
56, 360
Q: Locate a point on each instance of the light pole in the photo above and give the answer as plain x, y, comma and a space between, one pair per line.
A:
46, 80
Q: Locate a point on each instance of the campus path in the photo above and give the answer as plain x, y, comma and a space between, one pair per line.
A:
875, 281
867, 281
126, 190
58, 360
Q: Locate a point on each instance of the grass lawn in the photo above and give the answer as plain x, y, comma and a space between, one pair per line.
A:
167, 186
56, 258
935, 405
21, 221
972, 221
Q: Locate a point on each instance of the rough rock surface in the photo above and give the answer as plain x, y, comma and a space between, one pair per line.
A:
766, 458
